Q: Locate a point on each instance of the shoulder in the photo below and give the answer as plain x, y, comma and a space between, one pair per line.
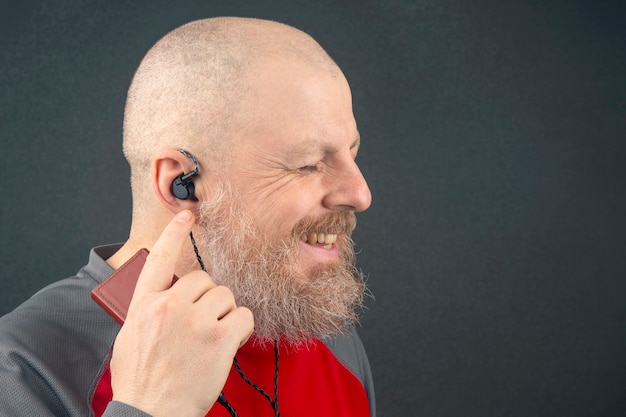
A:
63, 304
349, 350
53, 346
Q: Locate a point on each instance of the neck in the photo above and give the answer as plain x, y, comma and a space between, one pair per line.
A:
125, 253
186, 263
143, 233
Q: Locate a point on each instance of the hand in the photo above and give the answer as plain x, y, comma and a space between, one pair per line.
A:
175, 350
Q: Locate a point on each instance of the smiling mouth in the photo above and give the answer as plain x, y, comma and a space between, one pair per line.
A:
326, 240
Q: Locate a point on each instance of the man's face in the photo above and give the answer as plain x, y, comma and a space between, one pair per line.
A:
279, 235
297, 158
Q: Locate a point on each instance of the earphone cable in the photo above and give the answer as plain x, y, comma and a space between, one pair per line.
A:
195, 249
273, 403
221, 399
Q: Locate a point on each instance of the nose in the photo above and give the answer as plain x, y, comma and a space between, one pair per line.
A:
348, 190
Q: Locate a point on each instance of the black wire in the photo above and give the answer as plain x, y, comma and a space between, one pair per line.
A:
221, 399
224, 402
195, 249
273, 403
276, 412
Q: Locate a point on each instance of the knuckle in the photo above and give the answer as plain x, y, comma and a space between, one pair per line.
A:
224, 293
248, 319
246, 314
163, 305
202, 276
217, 332
158, 256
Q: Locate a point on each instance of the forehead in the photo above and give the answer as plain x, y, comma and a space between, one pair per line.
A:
325, 145
300, 109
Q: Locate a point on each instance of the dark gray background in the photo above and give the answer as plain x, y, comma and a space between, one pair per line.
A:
493, 141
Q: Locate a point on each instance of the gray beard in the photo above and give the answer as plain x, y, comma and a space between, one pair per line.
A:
262, 275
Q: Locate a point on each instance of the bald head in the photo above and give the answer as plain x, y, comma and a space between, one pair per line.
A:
191, 89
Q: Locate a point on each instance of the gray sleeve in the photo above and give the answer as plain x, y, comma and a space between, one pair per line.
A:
52, 350
118, 409
350, 352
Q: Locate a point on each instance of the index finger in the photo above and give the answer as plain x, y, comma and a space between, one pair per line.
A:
158, 270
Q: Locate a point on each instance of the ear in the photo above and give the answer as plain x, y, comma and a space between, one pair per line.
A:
166, 166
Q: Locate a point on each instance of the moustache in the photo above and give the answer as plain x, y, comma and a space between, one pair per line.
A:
340, 223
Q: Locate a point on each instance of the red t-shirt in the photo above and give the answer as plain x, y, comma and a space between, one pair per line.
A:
312, 382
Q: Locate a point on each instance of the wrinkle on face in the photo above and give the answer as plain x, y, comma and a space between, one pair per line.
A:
300, 136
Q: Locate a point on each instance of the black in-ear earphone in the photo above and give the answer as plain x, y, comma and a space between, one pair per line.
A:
182, 186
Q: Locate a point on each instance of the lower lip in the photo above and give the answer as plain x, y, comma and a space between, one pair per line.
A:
320, 251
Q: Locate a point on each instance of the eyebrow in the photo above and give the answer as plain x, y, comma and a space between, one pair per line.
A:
314, 145
329, 150
357, 141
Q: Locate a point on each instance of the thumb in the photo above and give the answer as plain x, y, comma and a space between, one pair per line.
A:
158, 270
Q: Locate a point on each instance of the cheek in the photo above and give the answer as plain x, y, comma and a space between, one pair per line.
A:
279, 213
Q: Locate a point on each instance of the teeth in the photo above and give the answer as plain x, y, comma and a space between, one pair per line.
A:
325, 238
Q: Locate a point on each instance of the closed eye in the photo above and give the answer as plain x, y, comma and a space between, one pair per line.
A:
308, 168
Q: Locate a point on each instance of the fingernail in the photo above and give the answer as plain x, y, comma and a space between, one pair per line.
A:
184, 216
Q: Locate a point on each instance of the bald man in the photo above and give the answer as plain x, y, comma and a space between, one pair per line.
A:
242, 144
